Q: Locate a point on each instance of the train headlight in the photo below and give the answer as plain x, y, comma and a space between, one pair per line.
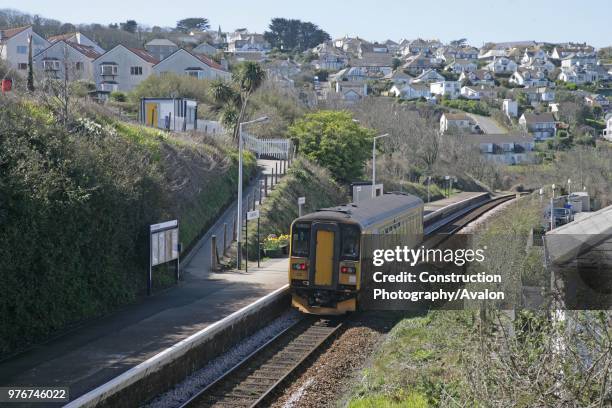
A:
347, 269
299, 266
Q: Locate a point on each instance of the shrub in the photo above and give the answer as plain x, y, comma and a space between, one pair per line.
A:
118, 96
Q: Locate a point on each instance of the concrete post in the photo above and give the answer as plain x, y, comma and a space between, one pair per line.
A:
276, 167
213, 253
266, 184
234, 229
224, 238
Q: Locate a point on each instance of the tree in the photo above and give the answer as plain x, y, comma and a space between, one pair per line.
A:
458, 43
130, 26
193, 23
294, 35
30, 66
232, 98
396, 63
335, 141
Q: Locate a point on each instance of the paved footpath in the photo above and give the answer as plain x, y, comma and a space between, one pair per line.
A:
93, 354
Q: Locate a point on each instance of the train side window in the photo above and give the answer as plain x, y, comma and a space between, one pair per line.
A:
350, 242
300, 241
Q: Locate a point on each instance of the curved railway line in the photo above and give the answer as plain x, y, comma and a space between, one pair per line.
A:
255, 380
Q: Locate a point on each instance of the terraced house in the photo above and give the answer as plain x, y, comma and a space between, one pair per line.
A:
122, 69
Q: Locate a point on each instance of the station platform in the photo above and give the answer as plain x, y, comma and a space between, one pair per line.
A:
436, 205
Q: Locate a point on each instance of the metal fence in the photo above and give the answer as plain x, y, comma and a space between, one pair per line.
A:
280, 149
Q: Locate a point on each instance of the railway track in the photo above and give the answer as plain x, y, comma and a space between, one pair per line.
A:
256, 378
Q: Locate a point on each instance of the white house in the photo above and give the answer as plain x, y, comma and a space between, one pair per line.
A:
428, 77
509, 149
510, 108
470, 92
528, 78
160, 48
410, 91
578, 75
182, 62
450, 122
461, 65
597, 100
445, 88
14, 44
122, 69
62, 56
478, 77
541, 126
565, 50
78, 38
502, 65
398, 77
350, 91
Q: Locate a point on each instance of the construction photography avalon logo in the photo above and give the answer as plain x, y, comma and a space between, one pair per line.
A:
305, 205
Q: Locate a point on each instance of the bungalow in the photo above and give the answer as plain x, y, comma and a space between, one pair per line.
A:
122, 69
445, 88
478, 77
182, 62
62, 56
420, 46
540, 125
350, 92
330, 58
563, 51
174, 114
450, 53
453, 122
461, 65
161, 48
502, 65
509, 149
528, 78
398, 77
478, 92
537, 95
410, 91
428, 76
78, 38
14, 46
349, 74
375, 64
418, 64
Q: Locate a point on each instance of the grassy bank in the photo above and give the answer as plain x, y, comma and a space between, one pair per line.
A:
303, 179
75, 204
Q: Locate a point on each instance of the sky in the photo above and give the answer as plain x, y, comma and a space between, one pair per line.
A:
375, 20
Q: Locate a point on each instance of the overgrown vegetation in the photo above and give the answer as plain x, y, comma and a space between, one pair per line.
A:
479, 108
75, 204
304, 179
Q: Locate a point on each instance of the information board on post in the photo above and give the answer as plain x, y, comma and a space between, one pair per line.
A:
164, 247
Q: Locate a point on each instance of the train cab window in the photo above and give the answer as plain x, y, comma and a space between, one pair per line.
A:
350, 242
300, 241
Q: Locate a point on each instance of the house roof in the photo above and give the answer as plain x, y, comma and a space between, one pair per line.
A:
373, 59
142, 54
532, 118
86, 50
501, 138
60, 37
161, 41
456, 116
8, 33
202, 58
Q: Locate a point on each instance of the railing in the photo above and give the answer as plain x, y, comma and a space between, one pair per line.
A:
268, 148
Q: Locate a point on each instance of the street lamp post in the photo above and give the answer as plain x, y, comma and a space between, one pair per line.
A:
552, 209
239, 215
374, 161
569, 187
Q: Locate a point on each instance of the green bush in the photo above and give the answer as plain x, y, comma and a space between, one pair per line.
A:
74, 209
478, 108
118, 96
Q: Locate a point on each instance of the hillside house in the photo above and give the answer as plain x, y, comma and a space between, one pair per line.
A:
477, 92
461, 65
14, 46
502, 65
457, 123
607, 132
428, 77
594, 100
205, 49
182, 62
540, 125
418, 64
509, 149
78, 38
64, 57
410, 91
529, 78
161, 48
478, 77
510, 108
450, 89
122, 69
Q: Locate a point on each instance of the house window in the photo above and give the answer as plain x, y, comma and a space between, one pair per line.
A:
194, 74
79, 66
136, 70
22, 49
22, 66
51, 65
108, 69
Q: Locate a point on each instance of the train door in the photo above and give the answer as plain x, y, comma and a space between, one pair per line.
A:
325, 242
151, 114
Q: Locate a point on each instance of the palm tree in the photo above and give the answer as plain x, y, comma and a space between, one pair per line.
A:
233, 97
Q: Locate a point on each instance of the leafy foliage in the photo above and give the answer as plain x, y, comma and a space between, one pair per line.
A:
294, 35
194, 23
333, 140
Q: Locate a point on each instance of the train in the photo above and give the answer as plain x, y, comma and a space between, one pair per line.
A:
328, 247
